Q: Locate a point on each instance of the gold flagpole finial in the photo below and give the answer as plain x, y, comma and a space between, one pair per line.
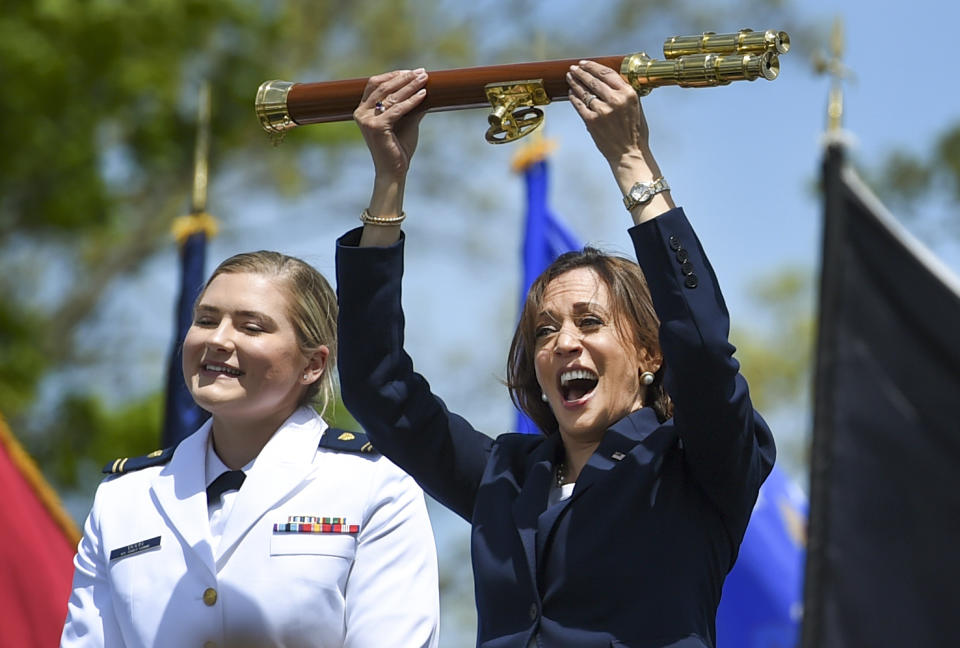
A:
838, 72
198, 220
201, 153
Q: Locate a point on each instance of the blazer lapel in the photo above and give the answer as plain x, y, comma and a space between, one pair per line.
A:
628, 439
179, 491
282, 466
533, 498
631, 435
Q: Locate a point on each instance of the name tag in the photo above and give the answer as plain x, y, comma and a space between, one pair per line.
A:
135, 548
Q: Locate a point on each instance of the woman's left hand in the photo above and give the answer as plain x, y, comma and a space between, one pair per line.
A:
389, 120
611, 111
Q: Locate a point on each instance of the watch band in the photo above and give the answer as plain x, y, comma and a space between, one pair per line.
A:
641, 192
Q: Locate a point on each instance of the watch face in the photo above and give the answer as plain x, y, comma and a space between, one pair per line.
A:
640, 193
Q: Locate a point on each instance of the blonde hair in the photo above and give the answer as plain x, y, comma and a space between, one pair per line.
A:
312, 311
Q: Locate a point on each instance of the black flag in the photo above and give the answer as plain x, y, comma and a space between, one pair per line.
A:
883, 564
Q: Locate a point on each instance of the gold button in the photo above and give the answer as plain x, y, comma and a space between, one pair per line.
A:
209, 596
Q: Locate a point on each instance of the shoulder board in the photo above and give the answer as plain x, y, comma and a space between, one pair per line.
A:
347, 441
128, 464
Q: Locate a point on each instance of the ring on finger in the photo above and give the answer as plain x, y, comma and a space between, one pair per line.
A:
588, 100
378, 107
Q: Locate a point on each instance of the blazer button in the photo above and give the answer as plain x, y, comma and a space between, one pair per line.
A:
533, 611
209, 596
690, 281
682, 255
674, 242
686, 268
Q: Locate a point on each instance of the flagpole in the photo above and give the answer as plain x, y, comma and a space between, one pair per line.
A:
201, 153
824, 404
191, 232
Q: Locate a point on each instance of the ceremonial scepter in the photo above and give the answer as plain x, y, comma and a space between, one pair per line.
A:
515, 90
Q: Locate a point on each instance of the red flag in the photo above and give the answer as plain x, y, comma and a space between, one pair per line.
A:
37, 546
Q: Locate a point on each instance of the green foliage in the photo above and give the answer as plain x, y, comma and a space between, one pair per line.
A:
99, 109
777, 358
341, 418
905, 180
906, 177
86, 431
947, 159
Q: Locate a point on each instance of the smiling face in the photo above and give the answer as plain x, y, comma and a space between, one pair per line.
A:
589, 373
241, 358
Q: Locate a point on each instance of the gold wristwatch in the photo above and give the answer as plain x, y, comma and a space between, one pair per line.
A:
641, 192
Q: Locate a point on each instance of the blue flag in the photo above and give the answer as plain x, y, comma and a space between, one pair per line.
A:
762, 598
181, 414
545, 239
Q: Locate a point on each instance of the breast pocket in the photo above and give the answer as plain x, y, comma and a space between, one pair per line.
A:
310, 568
313, 544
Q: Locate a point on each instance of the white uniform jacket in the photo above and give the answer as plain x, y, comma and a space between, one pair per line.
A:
147, 574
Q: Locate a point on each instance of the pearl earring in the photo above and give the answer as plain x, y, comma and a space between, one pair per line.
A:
646, 378
544, 398
306, 376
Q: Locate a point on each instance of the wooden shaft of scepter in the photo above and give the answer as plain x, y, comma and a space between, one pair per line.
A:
329, 101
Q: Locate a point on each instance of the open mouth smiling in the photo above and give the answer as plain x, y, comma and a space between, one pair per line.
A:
221, 369
577, 384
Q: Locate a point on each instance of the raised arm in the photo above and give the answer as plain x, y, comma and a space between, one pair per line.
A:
393, 403
611, 111
389, 121
727, 445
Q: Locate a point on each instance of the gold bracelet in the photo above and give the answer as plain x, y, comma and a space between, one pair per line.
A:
379, 220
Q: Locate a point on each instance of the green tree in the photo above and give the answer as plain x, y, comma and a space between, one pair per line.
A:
909, 182
776, 352
99, 110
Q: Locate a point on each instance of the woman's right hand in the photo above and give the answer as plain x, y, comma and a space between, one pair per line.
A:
389, 122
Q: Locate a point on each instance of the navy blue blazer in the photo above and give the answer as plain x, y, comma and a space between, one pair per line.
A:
638, 554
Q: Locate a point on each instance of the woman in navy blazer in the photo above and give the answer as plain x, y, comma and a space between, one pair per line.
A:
617, 525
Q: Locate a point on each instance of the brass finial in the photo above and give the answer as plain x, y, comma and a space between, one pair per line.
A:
834, 67
198, 220
198, 203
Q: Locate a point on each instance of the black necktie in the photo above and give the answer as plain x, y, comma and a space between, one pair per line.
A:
228, 481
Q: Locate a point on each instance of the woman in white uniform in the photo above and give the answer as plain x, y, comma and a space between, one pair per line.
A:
265, 527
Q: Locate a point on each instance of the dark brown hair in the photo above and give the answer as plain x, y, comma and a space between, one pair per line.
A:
634, 316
